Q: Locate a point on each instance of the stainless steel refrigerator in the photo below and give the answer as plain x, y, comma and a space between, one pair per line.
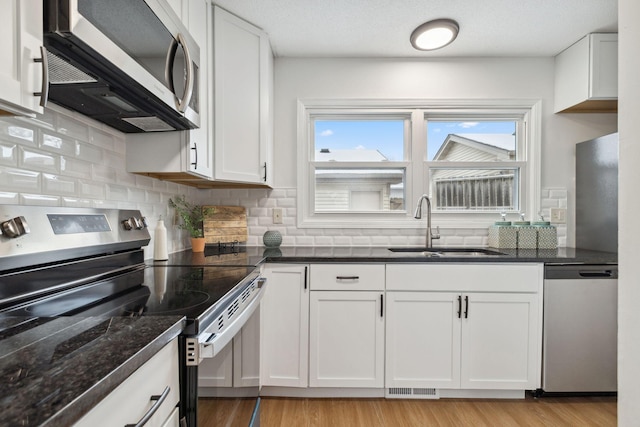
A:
597, 194
581, 301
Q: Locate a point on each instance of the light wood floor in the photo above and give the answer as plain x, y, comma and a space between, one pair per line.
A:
284, 412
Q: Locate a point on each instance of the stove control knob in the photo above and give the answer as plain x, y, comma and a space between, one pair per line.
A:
137, 223
145, 224
128, 224
15, 227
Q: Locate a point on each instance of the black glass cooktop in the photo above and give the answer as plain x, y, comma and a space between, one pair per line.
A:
186, 289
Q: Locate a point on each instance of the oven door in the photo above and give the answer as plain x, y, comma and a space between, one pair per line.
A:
228, 384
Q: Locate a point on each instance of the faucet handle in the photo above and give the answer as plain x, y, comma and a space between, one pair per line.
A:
436, 236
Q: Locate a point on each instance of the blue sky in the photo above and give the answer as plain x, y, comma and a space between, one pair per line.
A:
387, 136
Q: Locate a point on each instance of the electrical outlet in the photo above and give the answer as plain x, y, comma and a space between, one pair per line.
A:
558, 215
277, 215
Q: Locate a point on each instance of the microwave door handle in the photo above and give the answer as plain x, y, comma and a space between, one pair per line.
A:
188, 92
181, 103
168, 70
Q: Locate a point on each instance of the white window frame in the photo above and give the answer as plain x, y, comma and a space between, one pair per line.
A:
416, 164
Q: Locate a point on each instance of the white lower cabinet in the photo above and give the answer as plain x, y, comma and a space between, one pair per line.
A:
346, 339
464, 326
237, 365
138, 395
285, 326
346, 326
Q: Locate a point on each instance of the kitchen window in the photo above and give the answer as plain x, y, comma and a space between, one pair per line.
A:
364, 164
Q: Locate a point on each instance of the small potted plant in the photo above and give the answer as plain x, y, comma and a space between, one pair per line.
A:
192, 220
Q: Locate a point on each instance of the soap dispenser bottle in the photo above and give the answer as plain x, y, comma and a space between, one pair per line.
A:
160, 252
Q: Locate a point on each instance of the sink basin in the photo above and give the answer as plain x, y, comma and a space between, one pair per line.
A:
449, 252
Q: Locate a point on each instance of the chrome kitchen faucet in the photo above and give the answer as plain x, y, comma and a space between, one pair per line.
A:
430, 236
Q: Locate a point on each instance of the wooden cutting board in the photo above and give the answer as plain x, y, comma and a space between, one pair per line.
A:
226, 224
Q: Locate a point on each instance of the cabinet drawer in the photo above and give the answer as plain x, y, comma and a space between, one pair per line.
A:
486, 277
347, 277
131, 400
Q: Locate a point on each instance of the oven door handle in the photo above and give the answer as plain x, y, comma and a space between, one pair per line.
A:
213, 344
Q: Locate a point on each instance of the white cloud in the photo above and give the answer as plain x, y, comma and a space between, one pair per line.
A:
360, 147
467, 125
327, 132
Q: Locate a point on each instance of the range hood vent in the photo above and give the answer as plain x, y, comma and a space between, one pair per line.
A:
61, 72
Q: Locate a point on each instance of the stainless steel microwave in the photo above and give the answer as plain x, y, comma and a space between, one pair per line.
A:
130, 64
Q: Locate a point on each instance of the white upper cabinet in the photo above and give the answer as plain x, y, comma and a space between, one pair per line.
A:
586, 75
20, 75
233, 144
242, 93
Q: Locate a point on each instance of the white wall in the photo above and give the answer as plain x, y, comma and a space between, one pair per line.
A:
481, 78
629, 206
86, 166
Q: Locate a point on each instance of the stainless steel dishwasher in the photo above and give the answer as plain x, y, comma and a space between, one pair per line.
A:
580, 329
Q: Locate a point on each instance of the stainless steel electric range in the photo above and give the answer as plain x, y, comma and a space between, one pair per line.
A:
90, 262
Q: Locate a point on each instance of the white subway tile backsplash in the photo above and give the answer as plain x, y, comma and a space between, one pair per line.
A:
71, 128
19, 180
71, 166
56, 184
91, 189
65, 159
8, 154
57, 144
8, 198
118, 193
89, 153
39, 200
37, 160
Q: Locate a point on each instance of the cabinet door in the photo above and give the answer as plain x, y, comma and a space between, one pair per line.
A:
217, 371
241, 99
422, 340
20, 76
346, 339
246, 353
285, 326
131, 400
499, 341
197, 17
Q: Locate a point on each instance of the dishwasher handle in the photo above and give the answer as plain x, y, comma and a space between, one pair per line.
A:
596, 273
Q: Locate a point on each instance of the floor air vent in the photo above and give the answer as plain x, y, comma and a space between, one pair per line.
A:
412, 393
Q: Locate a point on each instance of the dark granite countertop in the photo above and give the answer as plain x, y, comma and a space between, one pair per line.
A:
384, 255
256, 255
54, 370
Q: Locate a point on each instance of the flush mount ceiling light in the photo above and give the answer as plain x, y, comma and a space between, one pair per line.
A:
434, 34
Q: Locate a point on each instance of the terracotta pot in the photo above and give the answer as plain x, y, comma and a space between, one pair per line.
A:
197, 244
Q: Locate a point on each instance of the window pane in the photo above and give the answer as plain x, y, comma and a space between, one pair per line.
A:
475, 189
359, 140
362, 190
467, 141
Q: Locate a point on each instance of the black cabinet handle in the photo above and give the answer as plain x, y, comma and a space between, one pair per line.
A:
265, 171
459, 306
381, 305
195, 149
466, 306
305, 277
347, 277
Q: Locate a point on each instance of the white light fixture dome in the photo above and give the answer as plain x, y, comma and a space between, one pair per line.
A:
434, 34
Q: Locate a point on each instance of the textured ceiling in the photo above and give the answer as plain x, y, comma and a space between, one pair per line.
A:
381, 28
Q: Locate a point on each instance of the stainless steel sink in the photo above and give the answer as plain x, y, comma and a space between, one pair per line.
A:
449, 252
